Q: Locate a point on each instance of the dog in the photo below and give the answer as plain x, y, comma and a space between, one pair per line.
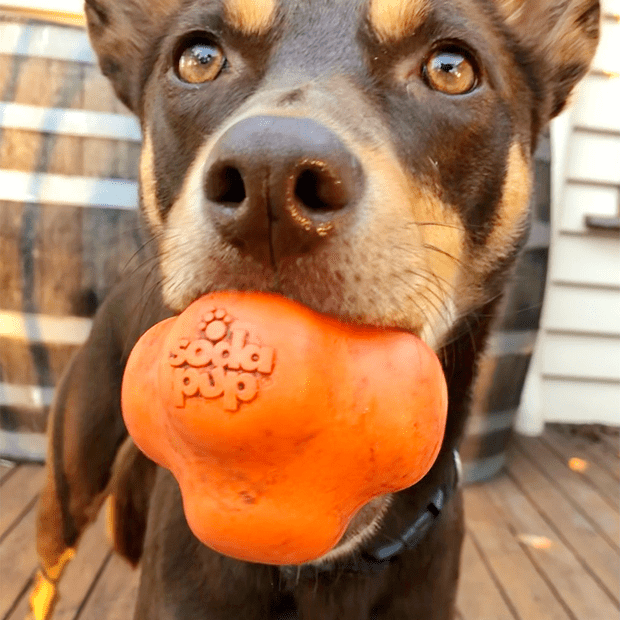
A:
370, 159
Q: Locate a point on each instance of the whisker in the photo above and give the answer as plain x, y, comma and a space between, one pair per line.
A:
143, 304
429, 246
140, 249
429, 278
440, 225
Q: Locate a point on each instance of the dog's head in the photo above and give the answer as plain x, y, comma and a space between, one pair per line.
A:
368, 158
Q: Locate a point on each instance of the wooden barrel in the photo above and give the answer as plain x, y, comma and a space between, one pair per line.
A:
505, 365
68, 220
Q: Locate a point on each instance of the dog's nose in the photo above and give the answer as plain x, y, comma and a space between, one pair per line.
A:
276, 186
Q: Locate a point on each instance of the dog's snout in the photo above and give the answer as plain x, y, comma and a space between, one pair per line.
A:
276, 186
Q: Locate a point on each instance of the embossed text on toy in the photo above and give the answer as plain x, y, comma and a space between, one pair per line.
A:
222, 363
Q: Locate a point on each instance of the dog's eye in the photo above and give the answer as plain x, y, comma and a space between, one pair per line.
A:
200, 62
451, 71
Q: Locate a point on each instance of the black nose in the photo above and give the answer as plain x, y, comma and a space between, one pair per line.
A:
276, 186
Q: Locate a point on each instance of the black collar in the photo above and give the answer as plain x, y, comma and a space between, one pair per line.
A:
373, 556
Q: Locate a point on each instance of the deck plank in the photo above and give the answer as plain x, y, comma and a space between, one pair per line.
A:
22, 609
610, 443
478, 596
114, 595
599, 477
80, 576
576, 589
593, 443
18, 493
576, 531
83, 571
18, 560
527, 591
581, 495
6, 469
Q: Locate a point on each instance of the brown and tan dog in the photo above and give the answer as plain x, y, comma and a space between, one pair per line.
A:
368, 158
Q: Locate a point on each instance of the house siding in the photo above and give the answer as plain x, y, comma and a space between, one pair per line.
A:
575, 374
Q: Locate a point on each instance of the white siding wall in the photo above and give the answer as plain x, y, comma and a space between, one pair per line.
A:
575, 373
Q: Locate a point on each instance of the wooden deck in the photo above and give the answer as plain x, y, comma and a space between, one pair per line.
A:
543, 540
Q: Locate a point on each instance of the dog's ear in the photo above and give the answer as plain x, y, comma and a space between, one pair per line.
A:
560, 34
121, 32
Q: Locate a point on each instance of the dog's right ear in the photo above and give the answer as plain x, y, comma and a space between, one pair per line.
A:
121, 32
562, 36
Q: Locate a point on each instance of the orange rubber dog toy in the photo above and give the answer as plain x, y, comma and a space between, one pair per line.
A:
279, 423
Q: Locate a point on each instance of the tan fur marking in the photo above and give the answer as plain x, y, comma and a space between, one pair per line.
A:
512, 10
251, 16
393, 19
508, 226
147, 184
512, 214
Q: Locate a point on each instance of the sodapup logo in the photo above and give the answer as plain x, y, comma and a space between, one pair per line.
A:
221, 363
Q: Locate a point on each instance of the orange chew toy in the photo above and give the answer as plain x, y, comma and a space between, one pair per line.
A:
279, 423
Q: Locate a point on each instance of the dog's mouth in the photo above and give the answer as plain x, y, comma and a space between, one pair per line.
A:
335, 310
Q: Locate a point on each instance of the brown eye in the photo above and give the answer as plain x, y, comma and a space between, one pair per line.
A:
200, 62
451, 72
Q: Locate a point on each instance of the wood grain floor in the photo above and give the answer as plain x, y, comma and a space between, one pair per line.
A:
543, 540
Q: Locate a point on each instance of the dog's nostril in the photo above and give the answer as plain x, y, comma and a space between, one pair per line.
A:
318, 190
225, 185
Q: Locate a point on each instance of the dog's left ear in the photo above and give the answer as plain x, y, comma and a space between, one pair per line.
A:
560, 34
122, 32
